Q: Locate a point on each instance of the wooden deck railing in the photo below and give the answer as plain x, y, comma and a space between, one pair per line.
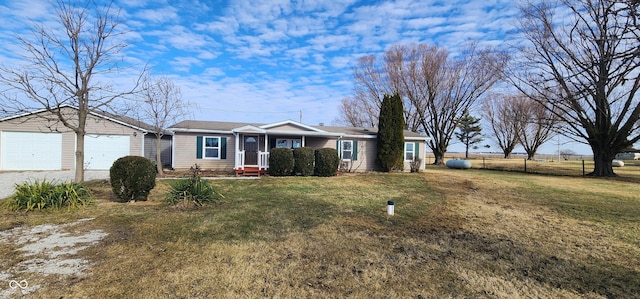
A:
239, 160
263, 160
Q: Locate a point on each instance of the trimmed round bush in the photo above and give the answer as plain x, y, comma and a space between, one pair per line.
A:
280, 162
327, 162
303, 161
132, 178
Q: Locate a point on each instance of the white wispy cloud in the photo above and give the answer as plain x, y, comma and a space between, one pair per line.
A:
158, 15
278, 55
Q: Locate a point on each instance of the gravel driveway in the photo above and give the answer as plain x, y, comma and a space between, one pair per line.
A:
9, 179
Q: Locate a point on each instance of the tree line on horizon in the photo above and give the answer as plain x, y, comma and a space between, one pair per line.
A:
575, 75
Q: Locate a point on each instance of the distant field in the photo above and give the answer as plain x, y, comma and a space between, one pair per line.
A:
543, 164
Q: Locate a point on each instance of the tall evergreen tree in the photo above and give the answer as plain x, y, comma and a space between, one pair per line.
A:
391, 134
469, 131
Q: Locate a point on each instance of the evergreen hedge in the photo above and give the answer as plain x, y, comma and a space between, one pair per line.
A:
303, 161
280, 162
327, 161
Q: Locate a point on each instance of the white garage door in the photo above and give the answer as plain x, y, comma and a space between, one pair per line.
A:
31, 151
100, 151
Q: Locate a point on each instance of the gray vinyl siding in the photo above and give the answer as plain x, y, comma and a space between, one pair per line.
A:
184, 147
68, 150
366, 151
150, 148
320, 142
286, 128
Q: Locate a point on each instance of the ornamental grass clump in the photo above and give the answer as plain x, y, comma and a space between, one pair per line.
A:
41, 195
191, 191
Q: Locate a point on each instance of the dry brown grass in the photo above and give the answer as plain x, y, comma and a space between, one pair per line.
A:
456, 234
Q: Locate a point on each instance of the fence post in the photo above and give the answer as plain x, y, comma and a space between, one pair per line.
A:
525, 165
583, 168
484, 165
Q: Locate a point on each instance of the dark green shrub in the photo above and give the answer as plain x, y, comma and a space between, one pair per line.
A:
390, 145
327, 162
132, 178
280, 162
191, 191
47, 195
303, 160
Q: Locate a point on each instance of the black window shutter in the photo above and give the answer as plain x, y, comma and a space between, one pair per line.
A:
354, 150
199, 147
223, 147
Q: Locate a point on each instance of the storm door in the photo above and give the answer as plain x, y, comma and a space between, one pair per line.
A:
250, 150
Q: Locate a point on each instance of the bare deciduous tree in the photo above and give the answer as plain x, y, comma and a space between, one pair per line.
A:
62, 66
583, 61
372, 82
163, 106
452, 87
567, 153
534, 124
499, 111
436, 89
354, 113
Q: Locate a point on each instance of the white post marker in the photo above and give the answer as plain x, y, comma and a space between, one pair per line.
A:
390, 206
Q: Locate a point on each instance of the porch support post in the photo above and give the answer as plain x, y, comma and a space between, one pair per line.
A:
303, 141
237, 163
266, 142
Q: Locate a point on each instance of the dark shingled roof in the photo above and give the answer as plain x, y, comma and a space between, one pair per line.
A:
211, 125
228, 126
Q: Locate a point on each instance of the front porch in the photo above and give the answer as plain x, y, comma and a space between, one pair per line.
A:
260, 168
252, 143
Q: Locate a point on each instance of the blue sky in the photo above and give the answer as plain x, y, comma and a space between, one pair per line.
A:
267, 61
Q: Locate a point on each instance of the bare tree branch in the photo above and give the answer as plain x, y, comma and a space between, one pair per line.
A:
63, 65
162, 107
436, 89
584, 66
498, 110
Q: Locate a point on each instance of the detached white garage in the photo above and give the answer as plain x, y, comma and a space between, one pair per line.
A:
100, 151
31, 151
39, 141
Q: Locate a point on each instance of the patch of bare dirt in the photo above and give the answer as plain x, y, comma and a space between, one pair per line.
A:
44, 250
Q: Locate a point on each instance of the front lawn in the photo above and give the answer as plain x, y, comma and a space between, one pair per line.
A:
455, 233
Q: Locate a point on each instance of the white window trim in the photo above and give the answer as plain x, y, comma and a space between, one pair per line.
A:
342, 150
205, 147
412, 151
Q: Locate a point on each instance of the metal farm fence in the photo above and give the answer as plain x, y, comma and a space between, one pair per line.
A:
543, 164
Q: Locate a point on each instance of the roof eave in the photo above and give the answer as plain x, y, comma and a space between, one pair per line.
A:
187, 130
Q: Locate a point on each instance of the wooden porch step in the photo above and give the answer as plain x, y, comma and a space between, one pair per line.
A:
251, 171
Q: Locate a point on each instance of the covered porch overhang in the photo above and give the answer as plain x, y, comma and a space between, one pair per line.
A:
252, 145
